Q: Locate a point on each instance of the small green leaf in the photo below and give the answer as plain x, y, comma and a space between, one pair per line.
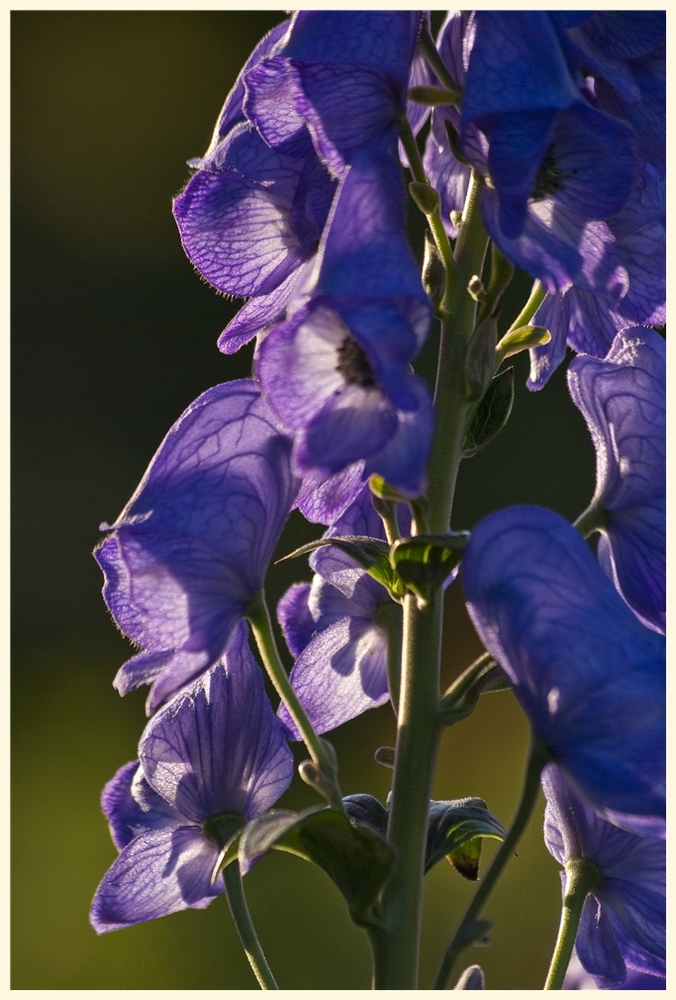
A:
370, 553
491, 414
426, 562
223, 831
455, 831
482, 676
357, 860
522, 340
433, 96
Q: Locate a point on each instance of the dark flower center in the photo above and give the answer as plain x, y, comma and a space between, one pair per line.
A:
353, 365
550, 178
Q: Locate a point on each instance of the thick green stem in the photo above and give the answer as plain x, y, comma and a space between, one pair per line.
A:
396, 947
234, 891
469, 928
582, 877
259, 618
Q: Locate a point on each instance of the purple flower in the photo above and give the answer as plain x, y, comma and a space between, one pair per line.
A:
338, 372
622, 925
629, 284
332, 627
578, 979
252, 215
215, 750
544, 137
623, 400
337, 60
191, 548
588, 674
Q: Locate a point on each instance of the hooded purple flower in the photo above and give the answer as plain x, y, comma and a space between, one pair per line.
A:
332, 627
629, 284
589, 676
215, 750
332, 61
544, 137
252, 215
191, 548
623, 400
338, 372
622, 925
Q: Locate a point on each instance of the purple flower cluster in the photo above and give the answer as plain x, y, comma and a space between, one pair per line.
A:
299, 206
573, 153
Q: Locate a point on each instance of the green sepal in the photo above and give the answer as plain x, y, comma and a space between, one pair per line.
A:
371, 553
491, 414
356, 860
456, 830
425, 562
479, 678
224, 831
522, 339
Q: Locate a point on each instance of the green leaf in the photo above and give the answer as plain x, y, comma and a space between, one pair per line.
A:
425, 562
370, 553
224, 831
482, 676
356, 860
456, 829
491, 414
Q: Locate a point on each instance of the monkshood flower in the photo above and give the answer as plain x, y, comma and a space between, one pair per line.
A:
191, 547
577, 978
589, 676
334, 629
544, 137
623, 400
252, 215
337, 373
332, 61
629, 284
626, 53
623, 920
213, 757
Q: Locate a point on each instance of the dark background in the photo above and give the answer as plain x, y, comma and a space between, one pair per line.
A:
113, 336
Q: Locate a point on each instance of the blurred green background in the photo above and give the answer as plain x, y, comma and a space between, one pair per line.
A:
113, 336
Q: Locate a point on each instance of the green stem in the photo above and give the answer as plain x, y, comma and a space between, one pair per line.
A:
582, 877
450, 397
436, 63
390, 617
591, 520
469, 929
259, 617
396, 946
433, 217
234, 891
534, 302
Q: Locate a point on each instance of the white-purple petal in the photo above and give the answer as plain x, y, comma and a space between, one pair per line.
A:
192, 546
159, 872
217, 747
340, 674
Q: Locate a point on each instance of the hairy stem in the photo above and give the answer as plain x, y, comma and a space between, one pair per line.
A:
259, 618
239, 910
582, 877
